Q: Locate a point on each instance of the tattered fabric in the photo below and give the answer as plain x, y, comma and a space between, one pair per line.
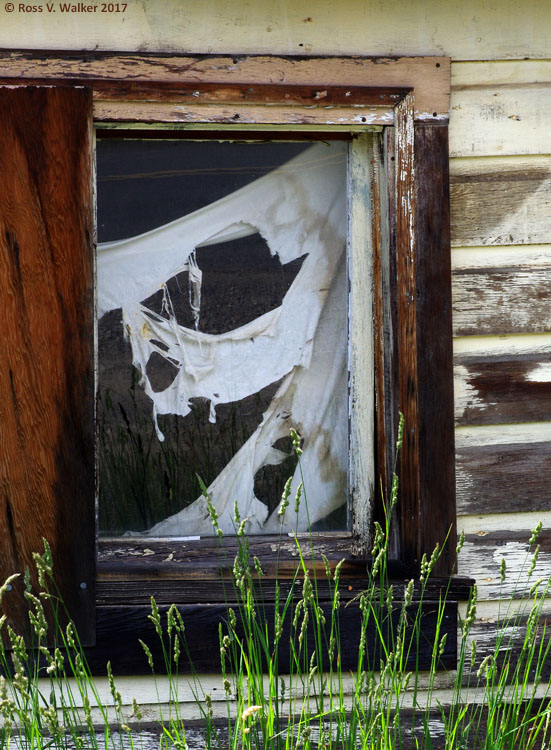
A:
299, 209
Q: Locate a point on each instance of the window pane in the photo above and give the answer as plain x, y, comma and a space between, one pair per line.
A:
222, 306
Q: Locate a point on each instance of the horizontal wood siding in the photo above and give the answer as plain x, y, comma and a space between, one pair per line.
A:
501, 229
500, 108
482, 556
503, 478
470, 31
500, 201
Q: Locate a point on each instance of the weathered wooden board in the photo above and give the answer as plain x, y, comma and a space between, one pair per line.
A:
495, 119
434, 345
500, 631
362, 474
481, 558
500, 201
192, 81
493, 301
46, 377
504, 477
505, 256
108, 112
505, 346
322, 27
498, 389
118, 630
503, 434
500, 72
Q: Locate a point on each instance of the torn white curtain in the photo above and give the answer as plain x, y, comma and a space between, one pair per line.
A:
299, 209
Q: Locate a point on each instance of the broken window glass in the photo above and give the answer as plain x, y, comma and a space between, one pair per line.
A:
222, 324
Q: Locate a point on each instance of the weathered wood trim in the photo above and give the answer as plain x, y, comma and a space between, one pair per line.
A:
118, 630
424, 358
361, 222
384, 322
201, 115
503, 478
417, 238
46, 378
126, 73
406, 360
113, 589
434, 345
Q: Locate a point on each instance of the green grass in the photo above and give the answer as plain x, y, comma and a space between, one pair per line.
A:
499, 699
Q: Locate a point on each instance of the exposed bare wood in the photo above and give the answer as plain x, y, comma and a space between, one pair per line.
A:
114, 589
497, 389
120, 627
46, 379
481, 346
434, 344
494, 301
503, 434
208, 557
503, 201
429, 76
482, 555
406, 359
508, 519
384, 292
189, 114
513, 477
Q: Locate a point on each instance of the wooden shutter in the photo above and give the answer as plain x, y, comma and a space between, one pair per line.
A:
46, 363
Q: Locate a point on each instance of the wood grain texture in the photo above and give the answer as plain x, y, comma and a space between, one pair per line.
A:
434, 344
114, 590
361, 476
502, 478
406, 357
255, 116
501, 389
475, 32
46, 376
494, 301
481, 558
130, 77
424, 349
118, 630
500, 201
495, 119
500, 108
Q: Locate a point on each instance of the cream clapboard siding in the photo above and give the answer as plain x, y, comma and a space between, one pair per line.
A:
501, 217
474, 30
500, 142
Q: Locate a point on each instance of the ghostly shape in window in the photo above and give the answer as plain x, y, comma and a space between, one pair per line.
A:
299, 209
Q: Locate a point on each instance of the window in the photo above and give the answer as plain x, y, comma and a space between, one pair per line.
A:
393, 114
229, 280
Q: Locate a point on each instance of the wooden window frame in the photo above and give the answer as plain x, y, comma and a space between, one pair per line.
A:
409, 183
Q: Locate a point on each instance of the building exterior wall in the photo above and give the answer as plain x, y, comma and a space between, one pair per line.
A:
500, 141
